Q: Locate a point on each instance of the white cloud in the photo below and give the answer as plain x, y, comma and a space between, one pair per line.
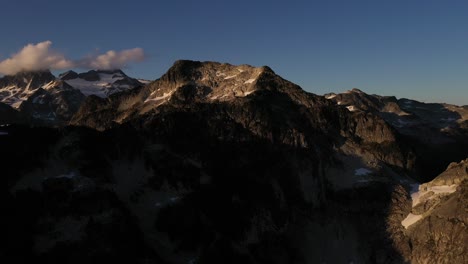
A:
113, 59
34, 57
40, 56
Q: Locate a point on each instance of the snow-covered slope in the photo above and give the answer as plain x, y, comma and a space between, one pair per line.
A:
428, 196
100, 82
17, 88
45, 98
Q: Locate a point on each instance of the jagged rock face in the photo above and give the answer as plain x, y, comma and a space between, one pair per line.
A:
223, 85
225, 81
17, 88
437, 133
68, 75
433, 229
407, 116
357, 100
276, 110
54, 104
441, 236
103, 113
101, 83
214, 163
241, 169
50, 101
40, 97
454, 174
210, 82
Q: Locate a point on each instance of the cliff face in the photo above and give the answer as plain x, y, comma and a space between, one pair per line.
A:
436, 133
440, 237
432, 229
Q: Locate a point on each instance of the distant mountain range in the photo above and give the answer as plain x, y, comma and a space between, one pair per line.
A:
45, 99
217, 163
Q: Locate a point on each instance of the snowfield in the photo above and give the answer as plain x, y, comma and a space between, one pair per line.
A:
362, 172
410, 219
417, 192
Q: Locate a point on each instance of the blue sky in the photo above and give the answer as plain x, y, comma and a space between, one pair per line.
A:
411, 48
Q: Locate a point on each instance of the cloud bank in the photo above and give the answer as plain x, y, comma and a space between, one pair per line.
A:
33, 58
113, 59
40, 56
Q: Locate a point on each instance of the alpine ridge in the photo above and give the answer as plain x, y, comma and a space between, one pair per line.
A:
47, 100
218, 163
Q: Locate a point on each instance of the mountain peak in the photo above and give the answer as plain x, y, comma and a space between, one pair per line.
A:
41, 74
20, 86
267, 69
223, 81
68, 75
27, 79
356, 90
100, 82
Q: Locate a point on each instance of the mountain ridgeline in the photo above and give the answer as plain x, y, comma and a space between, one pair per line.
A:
216, 163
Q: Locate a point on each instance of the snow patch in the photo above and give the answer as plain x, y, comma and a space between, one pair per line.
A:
330, 96
362, 172
450, 119
17, 103
402, 123
174, 199
363, 180
171, 200
417, 193
143, 81
352, 108
248, 92
410, 219
159, 98
249, 81
70, 175
230, 77
49, 85
441, 189
98, 88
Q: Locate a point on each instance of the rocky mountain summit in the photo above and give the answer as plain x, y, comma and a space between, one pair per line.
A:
408, 116
437, 132
17, 88
101, 83
47, 100
217, 163
188, 81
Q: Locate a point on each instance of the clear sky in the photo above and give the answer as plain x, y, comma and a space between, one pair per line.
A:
409, 48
